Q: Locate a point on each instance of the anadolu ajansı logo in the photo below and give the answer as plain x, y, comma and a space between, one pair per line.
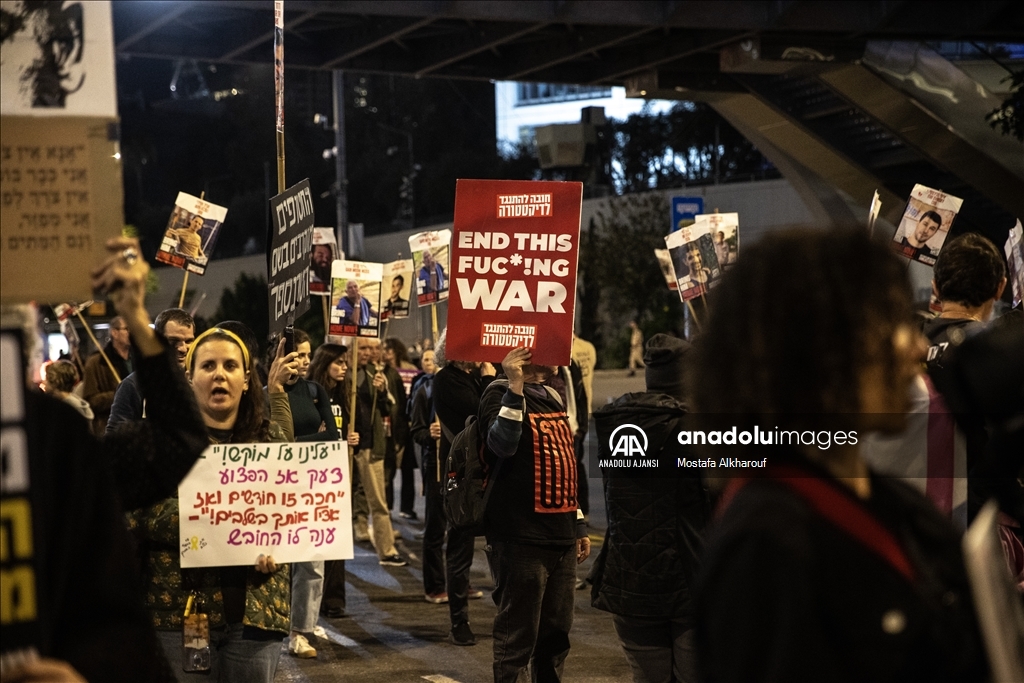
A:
628, 440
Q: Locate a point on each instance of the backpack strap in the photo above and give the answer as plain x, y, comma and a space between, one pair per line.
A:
838, 509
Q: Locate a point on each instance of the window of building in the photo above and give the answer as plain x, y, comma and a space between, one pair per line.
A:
528, 94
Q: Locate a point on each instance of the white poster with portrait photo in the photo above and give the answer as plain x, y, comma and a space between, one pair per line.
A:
323, 254
1014, 250
665, 263
397, 287
926, 222
694, 261
191, 233
431, 253
355, 299
725, 235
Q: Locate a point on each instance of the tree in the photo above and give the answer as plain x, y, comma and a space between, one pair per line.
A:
1008, 117
618, 259
246, 302
691, 143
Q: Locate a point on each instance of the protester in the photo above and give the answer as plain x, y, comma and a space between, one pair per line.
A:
312, 420
178, 328
247, 607
400, 373
968, 278
636, 348
99, 380
372, 404
91, 623
426, 431
585, 356
819, 569
644, 574
61, 378
328, 369
535, 533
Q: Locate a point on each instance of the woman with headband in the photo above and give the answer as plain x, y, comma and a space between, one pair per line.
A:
247, 607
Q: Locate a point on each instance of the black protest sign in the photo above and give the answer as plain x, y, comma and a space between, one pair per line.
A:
20, 613
291, 240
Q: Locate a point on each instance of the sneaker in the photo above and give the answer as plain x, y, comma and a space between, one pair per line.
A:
461, 634
361, 536
474, 593
408, 515
300, 647
436, 598
320, 632
332, 612
393, 561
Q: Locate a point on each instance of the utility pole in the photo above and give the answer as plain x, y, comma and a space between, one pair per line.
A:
341, 196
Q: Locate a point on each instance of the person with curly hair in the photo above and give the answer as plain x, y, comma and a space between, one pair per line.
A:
818, 568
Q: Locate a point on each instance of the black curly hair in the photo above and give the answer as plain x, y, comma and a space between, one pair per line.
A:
969, 270
792, 325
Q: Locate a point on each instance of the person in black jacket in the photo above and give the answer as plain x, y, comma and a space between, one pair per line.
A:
89, 615
645, 572
536, 534
968, 278
818, 568
457, 389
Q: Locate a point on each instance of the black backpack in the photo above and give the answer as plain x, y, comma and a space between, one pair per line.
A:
465, 488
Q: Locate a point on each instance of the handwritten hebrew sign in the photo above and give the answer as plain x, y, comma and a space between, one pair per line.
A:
289, 500
60, 199
291, 241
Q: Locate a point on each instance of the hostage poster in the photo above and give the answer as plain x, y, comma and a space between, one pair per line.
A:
926, 222
325, 251
514, 259
665, 263
725, 235
191, 233
694, 259
355, 299
397, 285
430, 252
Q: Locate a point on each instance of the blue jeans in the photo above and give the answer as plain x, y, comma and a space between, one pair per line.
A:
534, 591
659, 650
307, 591
238, 654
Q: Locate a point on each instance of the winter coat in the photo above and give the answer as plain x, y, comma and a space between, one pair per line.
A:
647, 564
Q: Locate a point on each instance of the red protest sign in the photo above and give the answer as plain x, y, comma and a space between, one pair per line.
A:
513, 265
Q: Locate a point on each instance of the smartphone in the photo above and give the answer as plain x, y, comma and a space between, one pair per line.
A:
289, 339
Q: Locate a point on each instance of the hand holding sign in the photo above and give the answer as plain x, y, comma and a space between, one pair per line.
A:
513, 366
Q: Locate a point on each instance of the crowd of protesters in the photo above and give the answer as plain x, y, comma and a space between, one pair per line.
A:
815, 567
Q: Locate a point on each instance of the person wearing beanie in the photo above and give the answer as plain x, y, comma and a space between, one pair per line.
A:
645, 570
